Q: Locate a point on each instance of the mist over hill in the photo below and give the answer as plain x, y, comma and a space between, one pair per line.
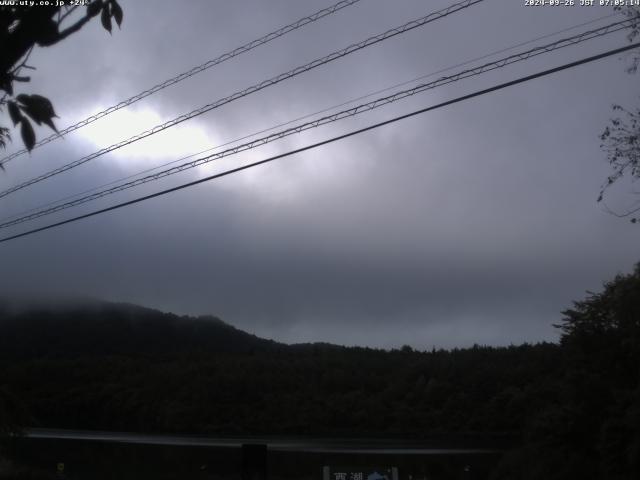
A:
77, 328
570, 409
113, 366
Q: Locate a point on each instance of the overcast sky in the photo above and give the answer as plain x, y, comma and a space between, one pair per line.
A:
475, 223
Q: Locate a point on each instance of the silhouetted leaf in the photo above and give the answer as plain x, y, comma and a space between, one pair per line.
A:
14, 112
47, 33
105, 18
32, 114
43, 105
7, 86
94, 8
20, 78
4, 137
28, 135
39, 108
116, 12
49, 123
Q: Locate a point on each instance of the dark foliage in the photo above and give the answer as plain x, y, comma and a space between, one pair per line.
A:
590, 428
621, 139
570, 410
104, 329
109, 366
24, 27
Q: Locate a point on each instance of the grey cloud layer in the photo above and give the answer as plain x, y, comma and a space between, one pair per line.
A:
476, 223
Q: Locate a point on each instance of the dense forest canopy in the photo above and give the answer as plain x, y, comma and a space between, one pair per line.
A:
571, 408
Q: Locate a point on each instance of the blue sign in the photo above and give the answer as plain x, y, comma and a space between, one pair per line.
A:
367, 473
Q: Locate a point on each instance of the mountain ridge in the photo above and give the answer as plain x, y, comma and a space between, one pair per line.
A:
99, 328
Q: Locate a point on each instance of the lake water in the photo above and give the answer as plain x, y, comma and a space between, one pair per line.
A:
142, 457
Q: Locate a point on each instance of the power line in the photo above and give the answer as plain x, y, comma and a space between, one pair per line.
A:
331, 140
466, 62
190, 73
487, 67
308, 115
255, 88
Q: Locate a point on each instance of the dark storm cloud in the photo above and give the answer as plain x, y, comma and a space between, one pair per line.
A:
476, 223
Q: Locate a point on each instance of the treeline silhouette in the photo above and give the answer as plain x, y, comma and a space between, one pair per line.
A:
570, 410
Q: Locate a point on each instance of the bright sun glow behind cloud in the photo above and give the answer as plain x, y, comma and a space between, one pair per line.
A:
170, 144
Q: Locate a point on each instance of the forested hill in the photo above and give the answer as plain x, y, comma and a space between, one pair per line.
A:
121, 367
575, 405
93, 328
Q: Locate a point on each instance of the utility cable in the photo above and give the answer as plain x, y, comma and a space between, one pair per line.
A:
308, 115
330, 140
255, 88
501, 63
190, 73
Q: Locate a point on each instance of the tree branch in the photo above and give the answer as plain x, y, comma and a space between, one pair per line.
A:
66, 14
73, 28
